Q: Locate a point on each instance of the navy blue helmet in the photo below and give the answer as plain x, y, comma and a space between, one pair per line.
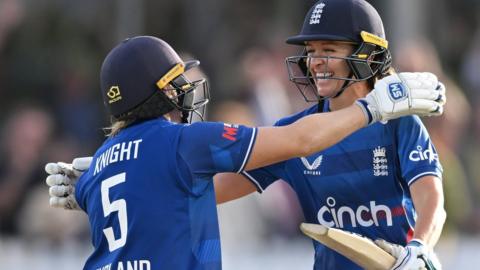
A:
143, 77
354, 21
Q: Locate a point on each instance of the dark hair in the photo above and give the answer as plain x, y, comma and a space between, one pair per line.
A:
154, 107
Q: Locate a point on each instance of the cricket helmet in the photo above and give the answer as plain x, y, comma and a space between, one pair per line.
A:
143, 77
353, 21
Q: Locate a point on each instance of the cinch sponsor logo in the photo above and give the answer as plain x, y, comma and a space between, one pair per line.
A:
331, 216
420, 154
230, 132
396, 91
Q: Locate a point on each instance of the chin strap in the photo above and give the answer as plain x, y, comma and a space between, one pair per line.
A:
345, 85
321, 103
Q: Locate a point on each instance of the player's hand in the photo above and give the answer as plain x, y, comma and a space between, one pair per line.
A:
404, 94
414, 256
62, 179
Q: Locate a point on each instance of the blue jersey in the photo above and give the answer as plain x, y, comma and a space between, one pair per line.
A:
360, 184
149, 194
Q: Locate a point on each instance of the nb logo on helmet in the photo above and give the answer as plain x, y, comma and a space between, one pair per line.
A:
317, 14
396, 91
114, 94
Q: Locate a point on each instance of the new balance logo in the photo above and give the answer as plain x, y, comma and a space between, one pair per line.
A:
311, 169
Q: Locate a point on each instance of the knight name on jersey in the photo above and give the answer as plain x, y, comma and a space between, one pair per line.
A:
116, 153
128, 265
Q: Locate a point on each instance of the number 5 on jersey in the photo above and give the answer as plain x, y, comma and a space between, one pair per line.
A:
119, 206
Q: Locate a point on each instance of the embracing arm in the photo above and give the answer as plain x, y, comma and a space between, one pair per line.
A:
427, 195
304, 137
231, 186
417, 93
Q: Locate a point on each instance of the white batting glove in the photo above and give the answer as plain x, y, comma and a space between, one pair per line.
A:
62, 179
403, 94
414, 256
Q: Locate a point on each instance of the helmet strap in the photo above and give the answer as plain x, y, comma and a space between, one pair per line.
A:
346, 84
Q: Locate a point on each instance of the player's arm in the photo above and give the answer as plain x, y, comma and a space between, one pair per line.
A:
316, 132
231, 186
304, 137
392, 97
427, 195
413, 93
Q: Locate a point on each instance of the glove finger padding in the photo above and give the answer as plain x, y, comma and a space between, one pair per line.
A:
61, 191
82, 164
78, 166
60, 168
59, 179
425, 107
59, 202
437, 95
415, 80
64, 202
62, 179
443, 96
426, 93
53, 168
392, 249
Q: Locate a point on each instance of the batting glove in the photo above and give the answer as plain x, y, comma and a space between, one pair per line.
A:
62, 179
404, 94
414, 256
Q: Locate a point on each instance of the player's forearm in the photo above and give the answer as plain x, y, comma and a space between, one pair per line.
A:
308, 135
320, 131
231, 186
429, 223
428, 201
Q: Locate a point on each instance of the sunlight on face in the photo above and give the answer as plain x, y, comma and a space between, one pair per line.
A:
324, 64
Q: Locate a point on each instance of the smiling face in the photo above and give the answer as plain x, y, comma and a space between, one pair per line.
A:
326, 66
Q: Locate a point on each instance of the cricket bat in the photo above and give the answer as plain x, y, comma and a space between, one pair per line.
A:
359, 249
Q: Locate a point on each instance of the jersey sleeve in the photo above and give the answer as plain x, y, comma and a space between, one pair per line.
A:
265, 176
417, 154
209, 148
79, 191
